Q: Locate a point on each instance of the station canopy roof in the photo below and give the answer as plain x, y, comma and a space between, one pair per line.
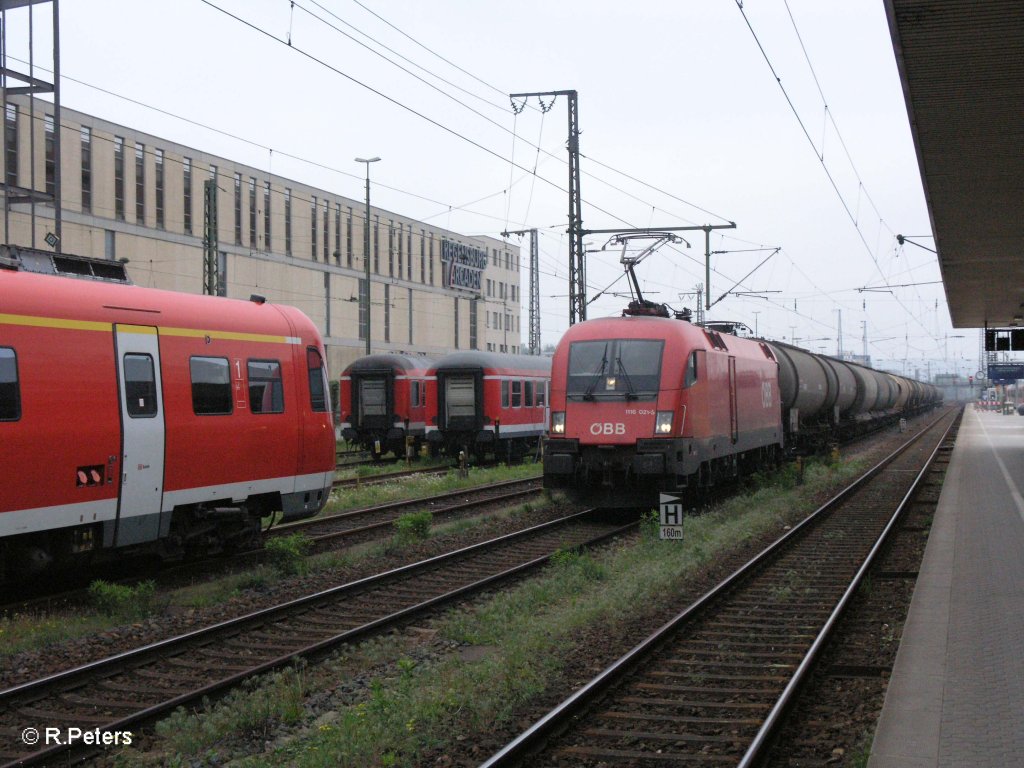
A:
962, 69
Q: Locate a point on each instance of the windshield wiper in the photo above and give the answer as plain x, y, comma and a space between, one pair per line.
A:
630, 394
589, 394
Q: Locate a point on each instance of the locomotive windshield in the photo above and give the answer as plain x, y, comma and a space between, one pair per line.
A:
629, 368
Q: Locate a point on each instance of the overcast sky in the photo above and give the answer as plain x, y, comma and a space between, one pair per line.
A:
683, 123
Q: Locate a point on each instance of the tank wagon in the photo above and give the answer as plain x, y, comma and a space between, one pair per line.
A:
140, 419
488, 403
384, 402
647, 404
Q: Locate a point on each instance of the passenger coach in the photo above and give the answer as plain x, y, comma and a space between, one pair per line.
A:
489, 403
133, 417
384, 402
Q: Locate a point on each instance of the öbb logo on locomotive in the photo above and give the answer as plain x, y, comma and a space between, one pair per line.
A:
608, 428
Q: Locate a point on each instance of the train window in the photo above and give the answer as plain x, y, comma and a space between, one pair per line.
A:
10, 394
266, 390
517, 394
542, 393
211, 386
317, 380
139, 386
504, 394
615, 368
691, 371
528, 394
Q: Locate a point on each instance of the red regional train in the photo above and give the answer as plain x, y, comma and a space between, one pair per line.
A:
648, 404
489, 403
384, 401
134, 418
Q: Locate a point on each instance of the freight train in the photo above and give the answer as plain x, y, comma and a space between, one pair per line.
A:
647, 404
135, 419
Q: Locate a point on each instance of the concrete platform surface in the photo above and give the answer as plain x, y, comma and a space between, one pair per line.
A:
956, 696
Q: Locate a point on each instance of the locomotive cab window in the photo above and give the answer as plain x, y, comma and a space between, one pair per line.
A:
691, 370
211, 386
266, 390
317, 380
10, 394
615, 368
139, 386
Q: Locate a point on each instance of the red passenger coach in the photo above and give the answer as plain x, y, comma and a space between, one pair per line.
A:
133, 417
489, 402
384, 401
647, 404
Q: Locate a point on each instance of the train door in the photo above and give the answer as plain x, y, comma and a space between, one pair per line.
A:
373, 402
734, 423
142, 434
460, 401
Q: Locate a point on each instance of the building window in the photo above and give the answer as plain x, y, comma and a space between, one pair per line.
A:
11, 145
391, 248
337, 234
431, 258
159, 180
140, 183
266, 390
348, 238
266, 216
376, 244
252, 213
410, 316
186, 164
408, 263
423, 257
472, 325
364, 307
287, 222
312, 228
387, 312
327, 246
222, 273
238, 208
51, 165
456, 316
119, 181
86, 138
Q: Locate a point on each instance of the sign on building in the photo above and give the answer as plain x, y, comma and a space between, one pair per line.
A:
463, 266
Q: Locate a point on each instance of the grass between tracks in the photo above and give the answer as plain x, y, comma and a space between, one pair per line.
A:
22, 632
495, 657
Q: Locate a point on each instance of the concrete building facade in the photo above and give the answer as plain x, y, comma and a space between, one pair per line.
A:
127, 195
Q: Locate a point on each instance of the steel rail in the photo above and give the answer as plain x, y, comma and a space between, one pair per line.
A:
557, 718
122, 662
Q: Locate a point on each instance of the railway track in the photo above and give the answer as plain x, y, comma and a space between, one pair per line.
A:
711, 687
374, 521
125, 691
326, 532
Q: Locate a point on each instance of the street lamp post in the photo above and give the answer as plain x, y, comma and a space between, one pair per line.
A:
366, 245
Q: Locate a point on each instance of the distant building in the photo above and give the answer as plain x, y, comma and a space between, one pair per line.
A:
130, 195
849, 357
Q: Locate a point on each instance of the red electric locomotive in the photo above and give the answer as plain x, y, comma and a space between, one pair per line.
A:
643, 404
384, 401
138, 418
647, 404
488, 402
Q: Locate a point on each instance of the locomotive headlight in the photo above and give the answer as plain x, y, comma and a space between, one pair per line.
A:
663, 423
558, 422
